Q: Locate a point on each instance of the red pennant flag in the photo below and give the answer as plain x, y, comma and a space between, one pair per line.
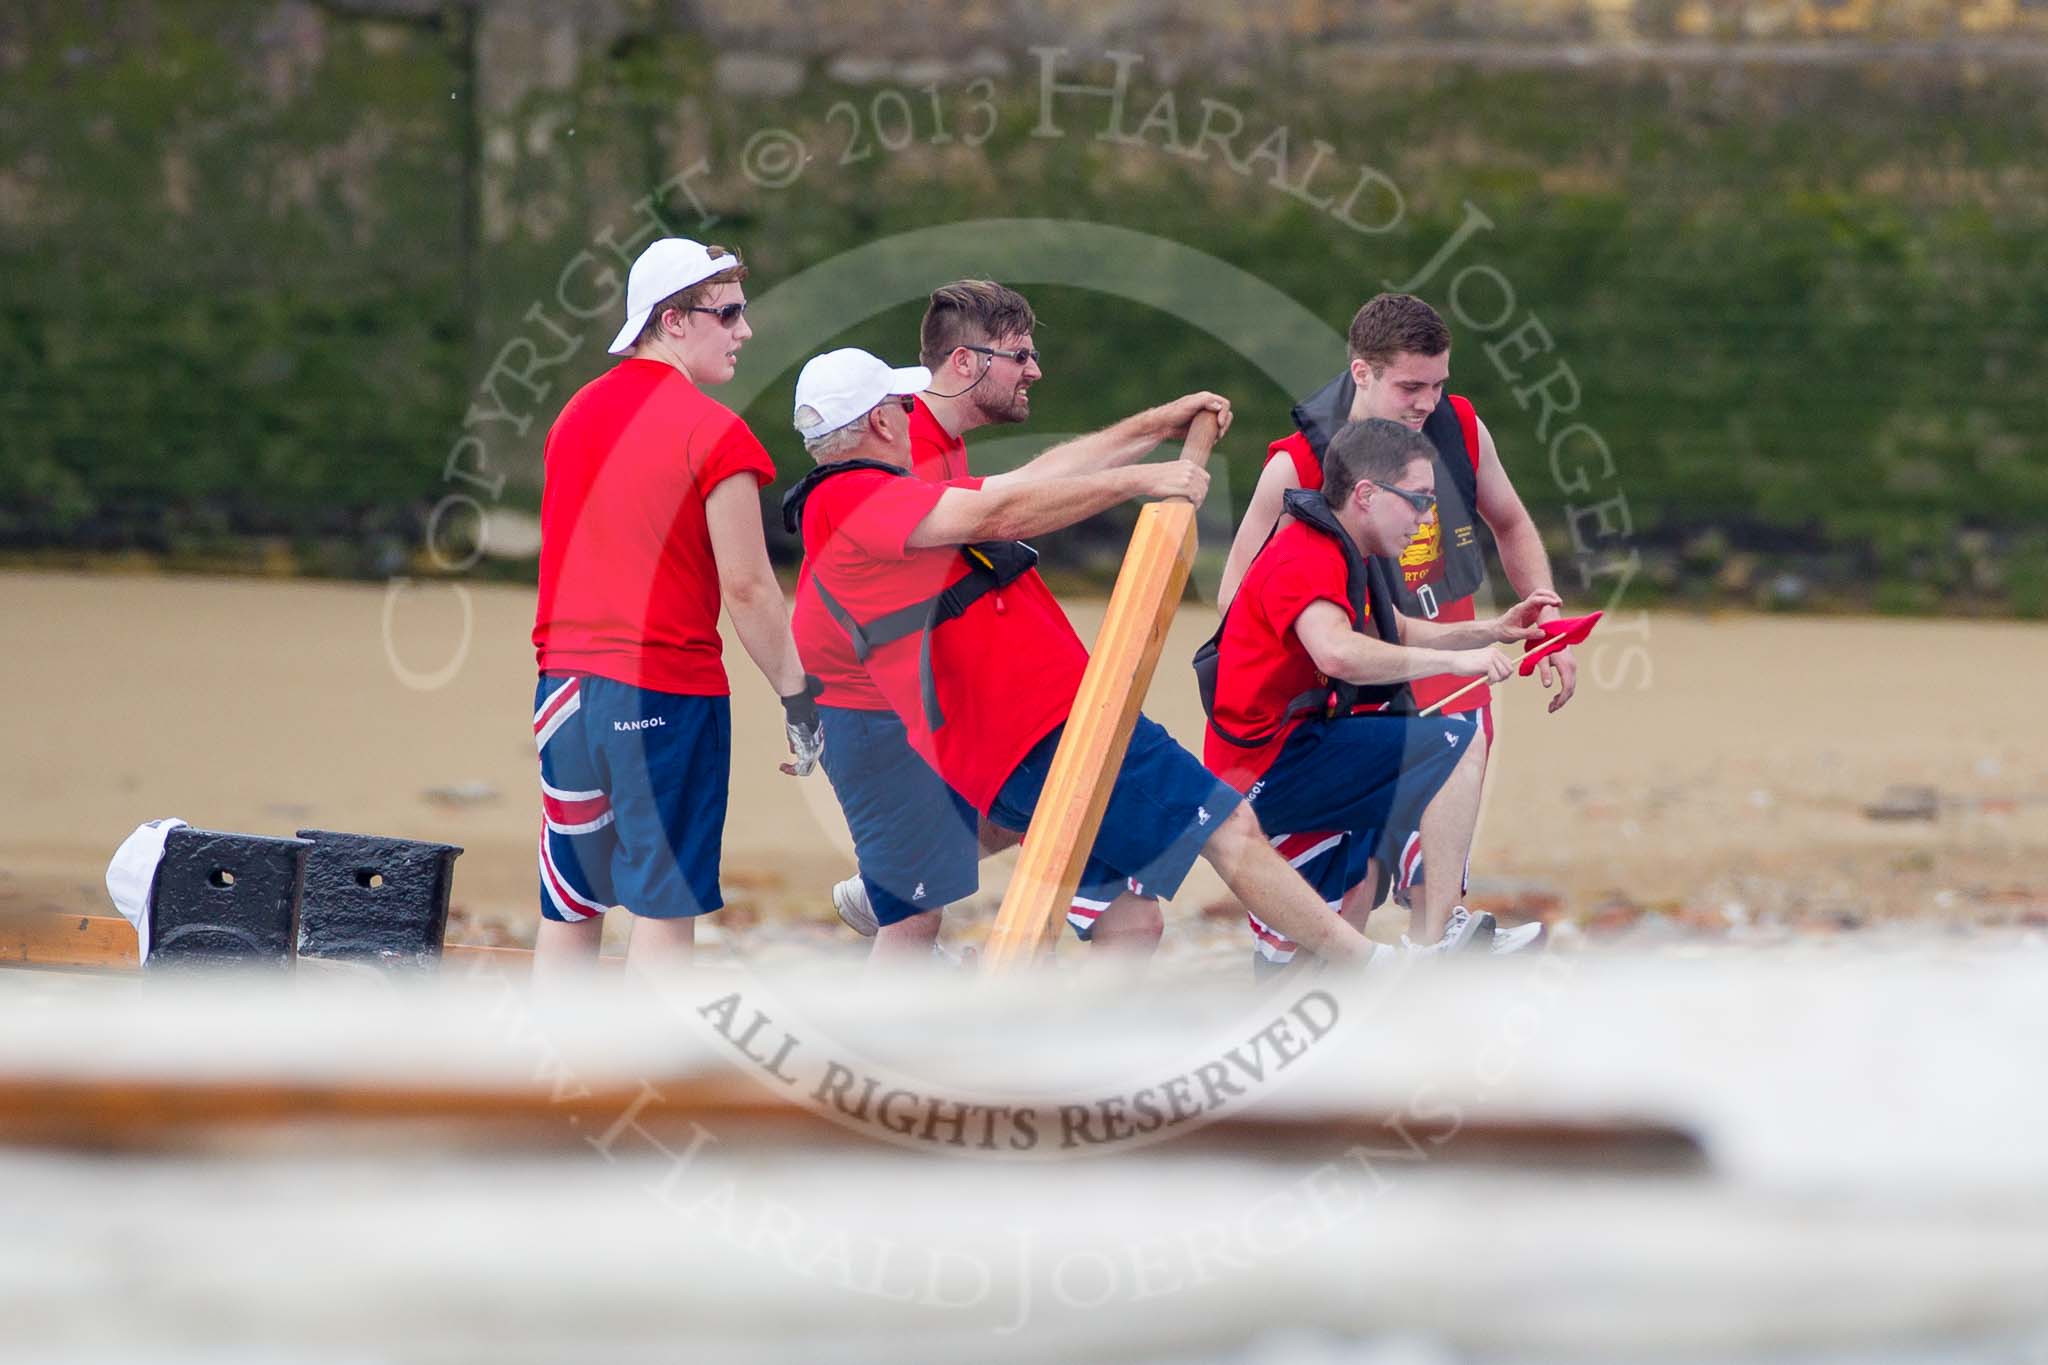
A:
1558, 634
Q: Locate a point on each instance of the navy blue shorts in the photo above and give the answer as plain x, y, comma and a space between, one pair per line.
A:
1324, 859
633, 786
1346, 791
1360, 775
1161, 811
916, 838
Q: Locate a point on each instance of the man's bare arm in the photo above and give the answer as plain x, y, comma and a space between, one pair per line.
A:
1128, 441
1516, 624
1268, 501
1522, 555
1324, 629
746, 582
1013, 508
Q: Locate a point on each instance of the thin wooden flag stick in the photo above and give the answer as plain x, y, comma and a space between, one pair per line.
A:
1548, 647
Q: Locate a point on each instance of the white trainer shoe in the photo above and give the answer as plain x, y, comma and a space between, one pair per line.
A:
1463, 932
850, 899
1516, 939
1466, 932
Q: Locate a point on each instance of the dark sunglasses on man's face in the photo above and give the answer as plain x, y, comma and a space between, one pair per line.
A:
726, 313
1421, 502
1023, 355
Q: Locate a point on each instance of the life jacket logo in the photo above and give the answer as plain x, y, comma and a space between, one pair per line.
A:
1423, 551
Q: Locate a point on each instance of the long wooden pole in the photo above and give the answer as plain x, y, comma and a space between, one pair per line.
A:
1148, 588
106, 943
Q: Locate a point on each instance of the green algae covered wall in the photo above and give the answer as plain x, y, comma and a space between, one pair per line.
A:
295, 274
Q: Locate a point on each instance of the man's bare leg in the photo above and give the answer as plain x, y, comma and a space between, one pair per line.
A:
1361, 900
1130, 926
662, 944
1447, 827
563, 948
906, 943
1416, 893
1259, 877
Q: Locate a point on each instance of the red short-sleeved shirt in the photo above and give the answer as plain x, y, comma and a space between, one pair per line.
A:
1419, 562
936, 455
1006, 671
628, 584
1262, 664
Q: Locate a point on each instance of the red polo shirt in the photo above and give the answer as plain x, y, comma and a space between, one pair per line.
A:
1420, 561
628, 584
1262, 664
1006, 671
936, 455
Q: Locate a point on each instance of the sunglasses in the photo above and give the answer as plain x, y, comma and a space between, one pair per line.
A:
1421, 502
1023, 355
906, 401
726, 313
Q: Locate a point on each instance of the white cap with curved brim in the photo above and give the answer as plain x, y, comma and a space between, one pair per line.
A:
667, 266
131, 876
845, 385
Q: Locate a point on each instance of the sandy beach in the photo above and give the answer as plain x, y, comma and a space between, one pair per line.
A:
1711, 775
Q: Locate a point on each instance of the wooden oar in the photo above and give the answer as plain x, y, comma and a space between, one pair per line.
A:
1148, 588
106, 943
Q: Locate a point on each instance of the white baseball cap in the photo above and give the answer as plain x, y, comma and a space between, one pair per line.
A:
845, 385
131, 876
669, 265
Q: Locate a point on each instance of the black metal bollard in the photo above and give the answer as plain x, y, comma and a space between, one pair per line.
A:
373, 899
222, 899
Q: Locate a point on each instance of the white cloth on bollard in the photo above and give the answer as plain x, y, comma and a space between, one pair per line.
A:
132, 874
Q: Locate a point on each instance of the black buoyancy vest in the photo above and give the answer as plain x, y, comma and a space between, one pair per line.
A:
1462, 568
1368, 586
991, 564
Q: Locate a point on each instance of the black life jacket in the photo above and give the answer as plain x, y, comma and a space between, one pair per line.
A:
1369, 589
1462, 569
991, 564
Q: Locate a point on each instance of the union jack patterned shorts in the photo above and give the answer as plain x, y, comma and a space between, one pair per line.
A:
632, 794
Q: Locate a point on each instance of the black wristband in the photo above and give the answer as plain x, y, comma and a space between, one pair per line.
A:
801, 708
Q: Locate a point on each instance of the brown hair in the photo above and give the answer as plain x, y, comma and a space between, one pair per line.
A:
970, 313
1372, 449
684, 300
1392, 324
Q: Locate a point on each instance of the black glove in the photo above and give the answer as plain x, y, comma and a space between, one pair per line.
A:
805, 728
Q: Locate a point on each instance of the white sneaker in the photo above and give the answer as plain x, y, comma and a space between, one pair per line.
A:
850, 899
1518, 938
1467, 932
1463, 932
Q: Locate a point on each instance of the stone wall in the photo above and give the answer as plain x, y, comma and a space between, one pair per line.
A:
304, 271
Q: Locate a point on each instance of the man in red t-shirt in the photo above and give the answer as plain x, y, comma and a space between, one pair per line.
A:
977, 660
917, 843
1400, 360
650, 519
1309, 650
